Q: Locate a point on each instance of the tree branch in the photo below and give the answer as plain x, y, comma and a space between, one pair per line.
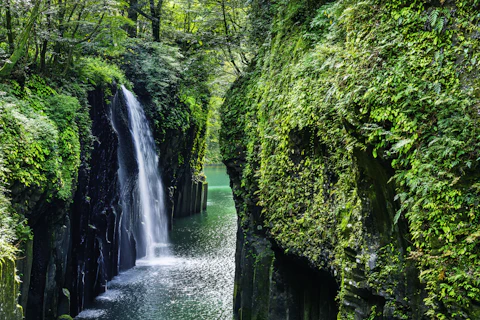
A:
149, 17
93, 32
227, 37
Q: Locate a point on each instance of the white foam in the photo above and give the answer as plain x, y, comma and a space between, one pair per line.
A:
110, 295
158, 261
91, 314
150, 193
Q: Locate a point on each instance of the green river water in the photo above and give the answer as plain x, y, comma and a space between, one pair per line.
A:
195, 282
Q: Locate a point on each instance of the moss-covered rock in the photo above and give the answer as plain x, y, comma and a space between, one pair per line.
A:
353, 141
9, 290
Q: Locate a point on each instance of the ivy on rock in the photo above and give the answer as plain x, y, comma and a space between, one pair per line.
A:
394, 82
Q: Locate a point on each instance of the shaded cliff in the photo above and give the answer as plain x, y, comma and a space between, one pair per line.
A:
40, 135
352, 147
96, 211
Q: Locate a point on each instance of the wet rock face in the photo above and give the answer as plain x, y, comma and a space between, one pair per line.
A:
96, 212
76, 245
9, 289
43, 268
301, 292
272, 285
47, 267
190, 197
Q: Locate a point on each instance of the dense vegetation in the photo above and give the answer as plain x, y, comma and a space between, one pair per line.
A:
354, 126
179, 57
359, 107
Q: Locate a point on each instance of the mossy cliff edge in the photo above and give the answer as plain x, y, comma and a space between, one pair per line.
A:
352, 144
59, 188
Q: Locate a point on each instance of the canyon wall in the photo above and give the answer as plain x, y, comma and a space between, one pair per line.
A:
350, 144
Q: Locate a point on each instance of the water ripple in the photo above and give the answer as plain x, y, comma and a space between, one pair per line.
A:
196, 282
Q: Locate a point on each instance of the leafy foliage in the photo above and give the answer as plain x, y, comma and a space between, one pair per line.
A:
213, 155
40, 146
395, 81
98, 72
32, 147
7, 222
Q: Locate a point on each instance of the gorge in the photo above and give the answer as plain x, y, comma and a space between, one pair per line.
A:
194, 281
349, 130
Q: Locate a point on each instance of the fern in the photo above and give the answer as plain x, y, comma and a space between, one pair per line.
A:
440, 25
432, 19
437, 87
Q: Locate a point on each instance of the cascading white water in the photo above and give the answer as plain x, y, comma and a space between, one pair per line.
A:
150, 198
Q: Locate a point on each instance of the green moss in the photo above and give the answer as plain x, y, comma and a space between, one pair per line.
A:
40, 150
40, 141
261, 279
388, 80
9, 290
99, 72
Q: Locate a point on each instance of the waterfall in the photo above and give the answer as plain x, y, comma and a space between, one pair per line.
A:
143, 200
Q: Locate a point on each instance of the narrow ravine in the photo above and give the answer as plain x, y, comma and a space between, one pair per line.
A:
195, 282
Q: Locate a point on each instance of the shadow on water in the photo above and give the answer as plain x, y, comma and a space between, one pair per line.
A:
195, 282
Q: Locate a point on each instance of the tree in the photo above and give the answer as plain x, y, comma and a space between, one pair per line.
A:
135, 8
20, 47
50, 34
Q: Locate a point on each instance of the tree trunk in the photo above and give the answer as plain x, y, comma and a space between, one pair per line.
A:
8, 16
43, 56
22, 42
43, 53
132, 15
227, 38
155, 12
156, 30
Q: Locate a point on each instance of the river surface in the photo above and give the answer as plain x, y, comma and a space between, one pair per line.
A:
195, 282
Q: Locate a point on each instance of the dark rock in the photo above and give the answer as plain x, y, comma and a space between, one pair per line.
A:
204, 195
24, 267
96, 212
272, 285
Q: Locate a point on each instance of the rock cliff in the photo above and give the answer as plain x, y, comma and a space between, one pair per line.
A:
350, 144
66, 186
